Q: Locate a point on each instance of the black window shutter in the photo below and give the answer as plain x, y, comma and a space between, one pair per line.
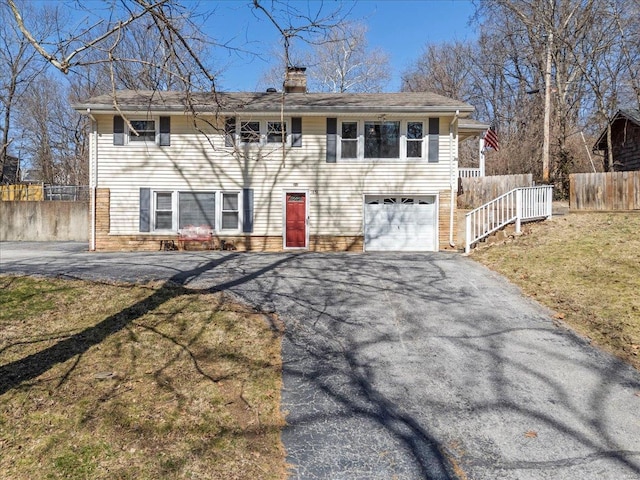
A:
434, 140
296, 132
118, 130
165, 131
332, 139
247, 208
145, 209
229, 131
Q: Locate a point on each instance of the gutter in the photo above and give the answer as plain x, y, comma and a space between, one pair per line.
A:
319, 110
453, 158
93, 177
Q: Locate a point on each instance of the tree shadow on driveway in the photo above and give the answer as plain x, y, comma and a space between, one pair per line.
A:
413, 366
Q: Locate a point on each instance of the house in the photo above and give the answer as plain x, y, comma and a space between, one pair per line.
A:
274, 171
625, 141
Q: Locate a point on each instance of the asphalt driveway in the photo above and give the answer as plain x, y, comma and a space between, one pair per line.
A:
407, 366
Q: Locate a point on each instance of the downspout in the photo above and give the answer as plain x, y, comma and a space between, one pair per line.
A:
453, 157
93, 177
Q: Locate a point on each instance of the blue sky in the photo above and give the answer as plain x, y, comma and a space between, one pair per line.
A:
400, 27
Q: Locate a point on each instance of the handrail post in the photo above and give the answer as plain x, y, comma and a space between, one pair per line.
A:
467, 233
518, 209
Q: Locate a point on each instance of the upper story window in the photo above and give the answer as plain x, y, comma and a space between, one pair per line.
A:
250, 132
349, 140
415, 140
276, 132
143, 131
155, 130
383, 140
268, 132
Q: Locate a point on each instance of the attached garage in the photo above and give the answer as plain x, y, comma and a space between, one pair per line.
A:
406, 223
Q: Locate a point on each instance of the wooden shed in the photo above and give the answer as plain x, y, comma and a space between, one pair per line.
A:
625, 141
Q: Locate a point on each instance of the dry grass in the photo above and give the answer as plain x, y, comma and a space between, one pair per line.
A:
586, 267
146, 382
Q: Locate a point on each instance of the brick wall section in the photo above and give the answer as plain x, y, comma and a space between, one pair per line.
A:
317, 243
444, 218
102, 214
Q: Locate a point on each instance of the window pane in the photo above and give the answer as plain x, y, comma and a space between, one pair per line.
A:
414, 148
146, 130
163, 201
275, 132
349, 148
196, 209
382, 140
229, 220
229, 201
414, 130
250, 132
164, 220
350, 130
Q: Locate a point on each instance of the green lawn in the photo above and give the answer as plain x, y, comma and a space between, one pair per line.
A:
584, 266
142, 382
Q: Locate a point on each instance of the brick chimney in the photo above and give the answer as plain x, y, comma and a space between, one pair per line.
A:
296, 80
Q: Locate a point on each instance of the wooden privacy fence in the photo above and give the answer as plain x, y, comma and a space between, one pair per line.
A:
604, 191
26, 192
476, 191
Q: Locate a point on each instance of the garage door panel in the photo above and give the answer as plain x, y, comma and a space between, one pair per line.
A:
407, 225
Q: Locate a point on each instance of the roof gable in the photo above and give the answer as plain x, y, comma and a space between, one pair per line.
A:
630, 114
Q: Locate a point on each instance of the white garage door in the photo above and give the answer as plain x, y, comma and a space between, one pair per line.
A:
400, 223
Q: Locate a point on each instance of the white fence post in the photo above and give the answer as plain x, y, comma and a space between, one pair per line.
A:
518, 209
467, 234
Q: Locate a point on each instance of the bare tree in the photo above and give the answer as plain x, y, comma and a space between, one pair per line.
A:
21, 65
339, 62
98, 39
344, 63
54, 137
444, 68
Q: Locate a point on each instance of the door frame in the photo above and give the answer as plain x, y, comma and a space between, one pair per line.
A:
284, 217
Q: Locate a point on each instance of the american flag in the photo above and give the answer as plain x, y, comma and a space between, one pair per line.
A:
491, 139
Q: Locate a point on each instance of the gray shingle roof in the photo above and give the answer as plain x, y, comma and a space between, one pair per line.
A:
230, 102
632, 114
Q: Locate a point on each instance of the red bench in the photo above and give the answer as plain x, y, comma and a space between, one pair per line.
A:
190, 234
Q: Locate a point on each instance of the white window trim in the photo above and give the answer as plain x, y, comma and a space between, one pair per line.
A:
263, 132
154, 206
403, 141
220, 211
175, 195
129, 134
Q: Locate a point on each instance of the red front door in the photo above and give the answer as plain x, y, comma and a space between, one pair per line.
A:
296, 220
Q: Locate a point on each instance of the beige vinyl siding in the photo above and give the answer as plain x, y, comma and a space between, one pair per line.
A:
191, 162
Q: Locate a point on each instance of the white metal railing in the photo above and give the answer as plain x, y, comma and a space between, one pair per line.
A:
518, 205
469, 172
